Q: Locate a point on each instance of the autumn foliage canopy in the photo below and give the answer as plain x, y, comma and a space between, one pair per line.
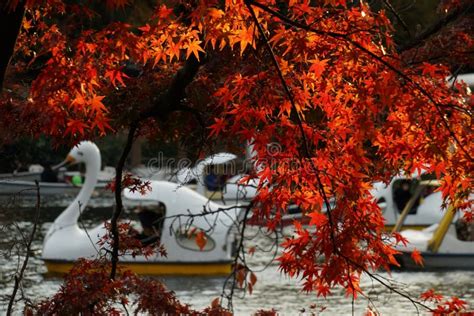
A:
324, 80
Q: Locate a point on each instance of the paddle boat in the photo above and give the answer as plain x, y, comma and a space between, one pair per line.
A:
33, 173
392, 198
231, 191
185, 213
447, 244
24, 182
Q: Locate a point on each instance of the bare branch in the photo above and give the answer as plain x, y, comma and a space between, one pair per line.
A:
19, 276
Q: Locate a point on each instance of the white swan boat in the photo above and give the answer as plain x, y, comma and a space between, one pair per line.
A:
66, 242
234, 191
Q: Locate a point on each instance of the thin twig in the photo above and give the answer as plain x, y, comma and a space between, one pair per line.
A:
240, 248
397, 16
19, 277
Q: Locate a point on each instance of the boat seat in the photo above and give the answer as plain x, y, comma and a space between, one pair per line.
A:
150, 240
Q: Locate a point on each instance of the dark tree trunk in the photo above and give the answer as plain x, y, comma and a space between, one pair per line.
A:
10, 24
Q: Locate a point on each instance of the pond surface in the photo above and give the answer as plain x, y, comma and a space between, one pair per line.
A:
272, 290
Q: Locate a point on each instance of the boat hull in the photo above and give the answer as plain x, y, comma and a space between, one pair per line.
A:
9, 187
156, 268
438, 261
289, 219
22, 176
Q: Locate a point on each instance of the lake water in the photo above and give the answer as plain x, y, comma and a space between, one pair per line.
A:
273, 289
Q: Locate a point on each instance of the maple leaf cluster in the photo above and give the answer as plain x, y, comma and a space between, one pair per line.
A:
132, 183
88, 287
444, 306
89, 290
325, 81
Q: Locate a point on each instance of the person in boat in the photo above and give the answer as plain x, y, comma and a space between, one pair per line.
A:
464, 230
212, 181
402, 195
48, 175
151, 219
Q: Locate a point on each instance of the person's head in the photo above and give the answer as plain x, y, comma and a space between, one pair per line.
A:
149, 216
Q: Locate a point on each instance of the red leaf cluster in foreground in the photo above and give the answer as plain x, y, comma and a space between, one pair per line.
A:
88, 290
325, 81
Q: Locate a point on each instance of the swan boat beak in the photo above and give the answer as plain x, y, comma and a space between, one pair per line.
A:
68, 161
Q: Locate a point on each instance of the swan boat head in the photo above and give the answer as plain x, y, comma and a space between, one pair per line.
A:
64, 235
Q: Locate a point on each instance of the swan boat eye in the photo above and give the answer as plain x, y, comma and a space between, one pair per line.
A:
80, 153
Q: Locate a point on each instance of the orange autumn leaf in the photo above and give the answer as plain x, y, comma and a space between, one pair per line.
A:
416, 256
97, 105
251, 250
253, 278
115, 76
317, 218
318, 66
201, 240
194, 48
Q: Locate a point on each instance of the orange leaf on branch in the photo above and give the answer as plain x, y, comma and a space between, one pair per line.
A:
416, 256
201, 239
193, 47
317, 218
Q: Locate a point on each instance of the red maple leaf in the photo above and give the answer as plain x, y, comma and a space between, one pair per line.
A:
317, 219
416, 256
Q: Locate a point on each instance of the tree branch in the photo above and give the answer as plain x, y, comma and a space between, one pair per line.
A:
437, 26
118, 198
171, 100
388, 4
168, 103
19, 277
325, 198
298, 118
